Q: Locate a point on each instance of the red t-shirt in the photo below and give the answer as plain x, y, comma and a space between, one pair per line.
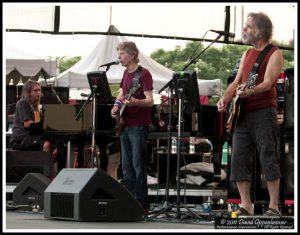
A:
137, 116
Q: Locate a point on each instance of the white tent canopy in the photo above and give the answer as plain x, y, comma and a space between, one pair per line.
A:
105, 51
168, 20
28, 65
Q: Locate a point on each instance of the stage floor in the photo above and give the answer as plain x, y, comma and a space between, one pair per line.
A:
16, 220
29, 221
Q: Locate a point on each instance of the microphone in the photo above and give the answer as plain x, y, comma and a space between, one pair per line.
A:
111, 63
84, 95
231, 35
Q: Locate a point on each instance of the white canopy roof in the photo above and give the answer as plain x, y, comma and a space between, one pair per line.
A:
105, 51
27, 65
168, 20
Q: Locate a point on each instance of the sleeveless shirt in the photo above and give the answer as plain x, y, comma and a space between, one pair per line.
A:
267, 98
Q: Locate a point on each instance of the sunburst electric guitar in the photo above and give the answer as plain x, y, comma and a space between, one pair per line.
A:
120, 122
235, 107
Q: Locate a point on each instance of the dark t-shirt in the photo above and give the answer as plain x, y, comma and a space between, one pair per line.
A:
23, 113
137, 116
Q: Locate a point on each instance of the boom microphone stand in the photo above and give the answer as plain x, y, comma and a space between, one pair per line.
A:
180, 91
180, 94
92, 95
178, 213
54, 92
166, 206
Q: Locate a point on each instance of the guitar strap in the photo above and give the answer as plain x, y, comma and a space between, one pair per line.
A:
136, 78
259, 60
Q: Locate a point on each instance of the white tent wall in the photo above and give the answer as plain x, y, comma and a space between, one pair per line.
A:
188, 20
27, 65
105, 51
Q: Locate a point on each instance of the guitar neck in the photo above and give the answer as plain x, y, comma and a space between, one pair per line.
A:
128, 97
122, 109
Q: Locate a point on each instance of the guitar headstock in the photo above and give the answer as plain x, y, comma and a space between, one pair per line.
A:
135, 88
133, 91
251, 81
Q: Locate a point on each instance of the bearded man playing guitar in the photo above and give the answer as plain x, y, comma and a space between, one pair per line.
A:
136, 93
255, 134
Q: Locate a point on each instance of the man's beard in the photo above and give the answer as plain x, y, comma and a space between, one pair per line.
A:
249, 39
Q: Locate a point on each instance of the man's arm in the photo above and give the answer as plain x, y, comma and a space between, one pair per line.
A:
116, 108
147, 102
231, 89
273, 70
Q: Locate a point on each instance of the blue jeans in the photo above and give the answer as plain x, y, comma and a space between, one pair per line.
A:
134, 152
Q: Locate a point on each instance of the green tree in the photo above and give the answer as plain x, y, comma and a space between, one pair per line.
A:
214, 63
288, 59
66, 63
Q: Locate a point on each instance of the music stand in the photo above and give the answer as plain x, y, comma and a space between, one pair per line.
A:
99, 89
186, 89
187, 80
166, 208
99, 85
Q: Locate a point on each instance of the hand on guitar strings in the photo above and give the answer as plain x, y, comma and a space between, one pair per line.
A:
115, 112
244, 92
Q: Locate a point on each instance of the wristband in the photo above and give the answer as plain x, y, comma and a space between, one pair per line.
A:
118, 103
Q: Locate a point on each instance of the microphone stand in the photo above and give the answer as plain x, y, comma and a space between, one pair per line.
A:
107, 68
166, 206
180, 91
170, 83
92, 95
180, 94
197, 57
56, 95
178, 213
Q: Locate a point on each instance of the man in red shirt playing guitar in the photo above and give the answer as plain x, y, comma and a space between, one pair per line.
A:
255, 133
136, 94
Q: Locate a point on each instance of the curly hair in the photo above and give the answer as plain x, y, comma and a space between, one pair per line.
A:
263, 24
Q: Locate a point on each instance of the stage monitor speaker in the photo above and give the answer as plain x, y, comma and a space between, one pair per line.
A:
289, 98
89, 195
30, 190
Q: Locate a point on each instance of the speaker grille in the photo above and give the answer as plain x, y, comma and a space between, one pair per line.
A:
75, 194
62, 205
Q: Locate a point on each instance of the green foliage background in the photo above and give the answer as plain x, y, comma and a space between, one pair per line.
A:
214, 63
